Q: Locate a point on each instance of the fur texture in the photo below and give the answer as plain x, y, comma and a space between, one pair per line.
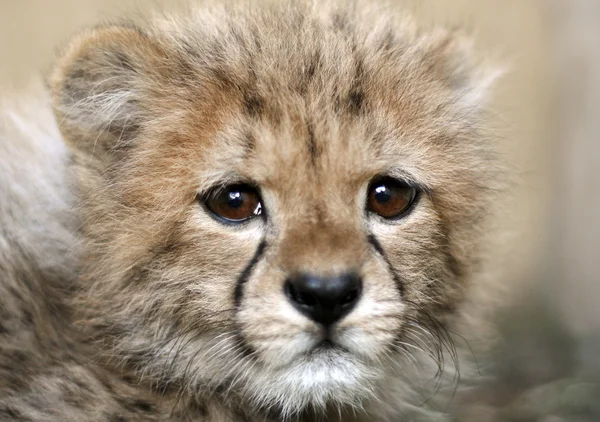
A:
165, 312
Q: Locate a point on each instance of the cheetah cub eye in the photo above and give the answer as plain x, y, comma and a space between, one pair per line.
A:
234, 204
390, 198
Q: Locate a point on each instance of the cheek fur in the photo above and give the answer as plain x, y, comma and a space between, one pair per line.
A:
417, 252
370, 329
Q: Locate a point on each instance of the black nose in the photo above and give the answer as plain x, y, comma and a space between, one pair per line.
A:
324, 300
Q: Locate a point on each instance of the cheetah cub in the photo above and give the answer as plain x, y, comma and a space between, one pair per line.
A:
241, 213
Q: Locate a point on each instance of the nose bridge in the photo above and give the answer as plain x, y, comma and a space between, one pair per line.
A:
322, 244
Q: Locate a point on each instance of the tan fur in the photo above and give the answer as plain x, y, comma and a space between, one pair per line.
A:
309, 103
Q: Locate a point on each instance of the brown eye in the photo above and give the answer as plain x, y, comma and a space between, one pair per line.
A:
389, 197
235, 204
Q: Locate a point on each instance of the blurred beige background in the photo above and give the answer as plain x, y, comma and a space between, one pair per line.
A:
547, 117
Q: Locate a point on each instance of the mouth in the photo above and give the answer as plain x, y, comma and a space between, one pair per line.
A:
328, 347
324, 371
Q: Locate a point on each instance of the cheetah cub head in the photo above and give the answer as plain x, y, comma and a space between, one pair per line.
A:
280, 205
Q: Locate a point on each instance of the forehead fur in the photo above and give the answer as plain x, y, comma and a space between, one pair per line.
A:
334, 79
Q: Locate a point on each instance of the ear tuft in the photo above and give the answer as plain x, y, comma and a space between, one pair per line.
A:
98, 84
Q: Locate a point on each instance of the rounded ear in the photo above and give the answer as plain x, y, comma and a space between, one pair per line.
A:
452, 57
98, 87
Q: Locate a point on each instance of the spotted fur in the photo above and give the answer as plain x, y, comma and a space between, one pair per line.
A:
130, 302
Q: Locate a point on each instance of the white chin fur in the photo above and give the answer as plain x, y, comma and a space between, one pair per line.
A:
326, 378
289, 382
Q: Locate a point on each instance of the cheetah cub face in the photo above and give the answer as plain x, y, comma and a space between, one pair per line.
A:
279, 205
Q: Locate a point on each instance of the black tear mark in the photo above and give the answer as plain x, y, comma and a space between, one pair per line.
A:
377, 246
247, 272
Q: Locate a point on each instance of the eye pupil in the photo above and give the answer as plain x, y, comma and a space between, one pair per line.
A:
236, 199
382, 194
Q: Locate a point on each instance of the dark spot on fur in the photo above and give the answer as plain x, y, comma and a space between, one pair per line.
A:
186, 73
9, 413
170, 247
340, 21
117, 418
337, 104
223, 80
20, 357
75, 86
123, 61
313, 148
309, 71
165, 386
241, 417
312, 67
154, 309
27, 317
76, 73
25, 280
356, 98
253, 104
250, 142
123, 132
355, 102
220, 389
198, 408
142, 406
129, 379
15, 380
